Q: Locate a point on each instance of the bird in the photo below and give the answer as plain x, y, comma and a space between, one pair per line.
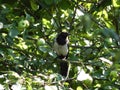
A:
61, 48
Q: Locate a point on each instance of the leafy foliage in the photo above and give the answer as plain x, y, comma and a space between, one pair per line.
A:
27, 31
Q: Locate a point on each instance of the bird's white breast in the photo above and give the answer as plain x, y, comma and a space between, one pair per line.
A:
61, 49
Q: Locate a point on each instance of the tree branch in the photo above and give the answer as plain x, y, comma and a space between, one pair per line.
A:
19, 50
82, 47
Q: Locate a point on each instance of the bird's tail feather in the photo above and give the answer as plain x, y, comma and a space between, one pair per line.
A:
63, 68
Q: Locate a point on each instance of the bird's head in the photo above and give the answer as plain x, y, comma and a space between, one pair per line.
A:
62, 38
64, 35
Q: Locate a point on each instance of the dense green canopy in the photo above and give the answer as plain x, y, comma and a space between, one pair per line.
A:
27, 32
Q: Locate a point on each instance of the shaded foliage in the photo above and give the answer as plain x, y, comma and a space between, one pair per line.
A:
27, 31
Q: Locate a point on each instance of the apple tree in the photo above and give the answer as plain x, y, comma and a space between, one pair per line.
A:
27, 32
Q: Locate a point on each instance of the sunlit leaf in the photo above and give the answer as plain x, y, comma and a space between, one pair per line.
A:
51, 87
1, 87
1, 25
46, 22
105, 14
116, 3
79, 88
16, 87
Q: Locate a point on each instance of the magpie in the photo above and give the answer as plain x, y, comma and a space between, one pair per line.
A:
61, 49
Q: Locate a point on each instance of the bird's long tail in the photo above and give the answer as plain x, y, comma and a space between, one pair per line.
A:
64, 68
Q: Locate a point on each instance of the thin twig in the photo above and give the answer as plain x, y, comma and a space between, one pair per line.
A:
73, 18
87, 1
92, 47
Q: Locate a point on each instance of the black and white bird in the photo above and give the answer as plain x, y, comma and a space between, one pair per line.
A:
61, 49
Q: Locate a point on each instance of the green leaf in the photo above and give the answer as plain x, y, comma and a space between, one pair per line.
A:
64, 5
13, 32
110, 33
34, 5
116, 3
79, 88
43, 49
2, 79
52, 87
9, 40
46, 22
29, 18
56, 1
30, 55
49, 2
